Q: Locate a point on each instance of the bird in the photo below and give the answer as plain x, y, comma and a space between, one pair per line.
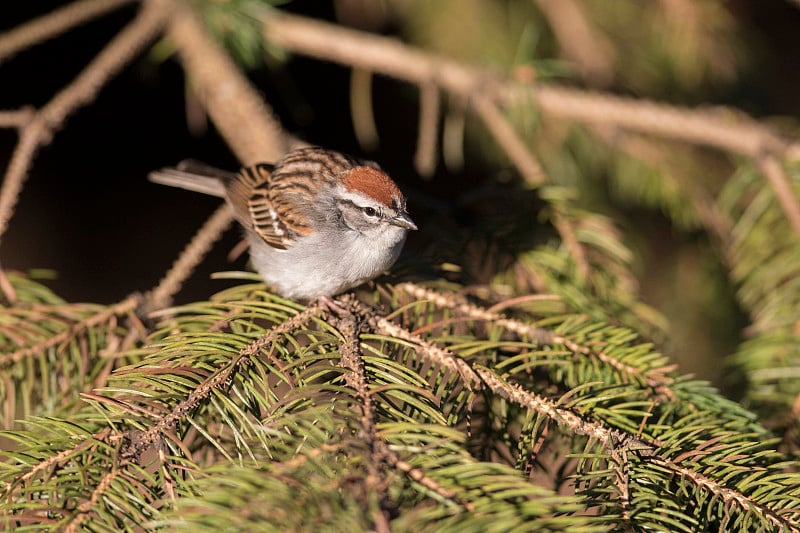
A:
318, 222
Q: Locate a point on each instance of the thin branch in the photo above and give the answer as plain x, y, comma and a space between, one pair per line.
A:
453, 135
352, 359
124, 307
17, 118
428, 130
729, 130
773, 170
140, 440
86, 508
567, 232
190, 257
82, 90
53, 24
361, 109
53, 460
656, 378
505, 135
438, 356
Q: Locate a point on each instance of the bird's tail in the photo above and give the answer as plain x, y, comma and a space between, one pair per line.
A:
194, 176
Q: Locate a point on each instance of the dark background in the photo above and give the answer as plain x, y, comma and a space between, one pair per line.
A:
89, 214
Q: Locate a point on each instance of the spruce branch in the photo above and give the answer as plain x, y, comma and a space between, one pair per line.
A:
100, 318
614, 440
657, 377
247, 408
139, 440
359, 319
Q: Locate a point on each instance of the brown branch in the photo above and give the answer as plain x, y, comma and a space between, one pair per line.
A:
428, 129
17, 118
85, 509
773, 170
82, 90
656, 378
350, 324
731, 130
242, 117
124, 307
53, 24
361, 109
438, 356
140, 440
453, 137
190, 257
612, 440
505, 135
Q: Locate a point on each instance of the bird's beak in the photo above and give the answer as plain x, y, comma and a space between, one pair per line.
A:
404, 221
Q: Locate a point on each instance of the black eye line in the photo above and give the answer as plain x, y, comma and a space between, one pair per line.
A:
368, 210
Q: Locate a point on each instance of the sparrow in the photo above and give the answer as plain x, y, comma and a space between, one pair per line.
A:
318, 222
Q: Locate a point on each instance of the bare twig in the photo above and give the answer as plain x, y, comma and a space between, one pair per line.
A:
507, 138
429, 104
729, 130
54, 23
567, 233
82, 90
361, 109
17, 118
453, 137
188, 260
779, 181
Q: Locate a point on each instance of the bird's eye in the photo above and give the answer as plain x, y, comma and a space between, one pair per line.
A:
370, 212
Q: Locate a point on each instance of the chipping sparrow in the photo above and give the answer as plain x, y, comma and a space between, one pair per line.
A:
318, 222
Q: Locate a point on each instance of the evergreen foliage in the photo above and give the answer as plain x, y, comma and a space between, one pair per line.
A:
520, 387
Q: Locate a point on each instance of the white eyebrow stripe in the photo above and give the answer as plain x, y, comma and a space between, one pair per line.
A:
362, 200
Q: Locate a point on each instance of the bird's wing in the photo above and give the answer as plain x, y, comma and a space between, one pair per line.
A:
273, 210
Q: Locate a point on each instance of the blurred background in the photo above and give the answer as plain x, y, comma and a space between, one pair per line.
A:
89, 218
